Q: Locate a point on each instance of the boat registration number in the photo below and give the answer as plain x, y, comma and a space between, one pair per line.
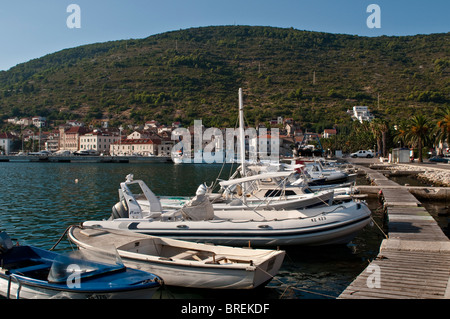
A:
97, 296
318, 219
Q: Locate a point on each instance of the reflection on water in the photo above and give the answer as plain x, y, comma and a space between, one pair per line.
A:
410, 180
441, 213
40, 199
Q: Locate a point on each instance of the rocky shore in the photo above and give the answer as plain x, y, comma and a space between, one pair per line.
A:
435, 175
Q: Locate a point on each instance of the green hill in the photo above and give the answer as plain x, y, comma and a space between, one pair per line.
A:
195, 73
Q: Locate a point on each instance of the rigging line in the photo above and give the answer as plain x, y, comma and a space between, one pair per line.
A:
381, 230
326, 204
292, 287
309, 291
232, 160
60, 238
223, 164
217, 178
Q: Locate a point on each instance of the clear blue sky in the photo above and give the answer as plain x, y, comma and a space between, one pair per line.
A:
32, 28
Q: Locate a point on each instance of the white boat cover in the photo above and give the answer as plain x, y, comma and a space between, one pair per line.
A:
255, 177
199, 208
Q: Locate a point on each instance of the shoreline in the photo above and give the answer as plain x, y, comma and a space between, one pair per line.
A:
435, 173
439, 177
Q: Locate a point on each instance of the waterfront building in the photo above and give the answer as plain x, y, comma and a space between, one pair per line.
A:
165, 148
52, 141
69, 138
6, 141
136, 135
142, 146
97, 141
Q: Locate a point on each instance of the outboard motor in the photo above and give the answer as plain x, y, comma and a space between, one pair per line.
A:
5, 242
119, 210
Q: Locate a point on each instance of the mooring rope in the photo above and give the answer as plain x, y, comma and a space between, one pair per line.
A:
293, 287
62, 236
378, 226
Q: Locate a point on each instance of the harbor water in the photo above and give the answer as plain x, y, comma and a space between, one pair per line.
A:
40, 200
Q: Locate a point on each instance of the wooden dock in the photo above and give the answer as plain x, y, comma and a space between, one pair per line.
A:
414, 262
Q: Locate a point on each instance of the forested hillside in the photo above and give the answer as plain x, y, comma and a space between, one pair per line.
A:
195, 74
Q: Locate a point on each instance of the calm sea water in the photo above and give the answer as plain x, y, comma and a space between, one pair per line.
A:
40, 200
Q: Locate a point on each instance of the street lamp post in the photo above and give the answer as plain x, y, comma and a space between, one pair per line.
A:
120, 137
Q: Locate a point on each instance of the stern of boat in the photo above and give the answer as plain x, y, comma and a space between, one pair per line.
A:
267, 270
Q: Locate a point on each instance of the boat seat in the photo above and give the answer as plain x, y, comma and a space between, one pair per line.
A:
24, 270
186, 255
212, 260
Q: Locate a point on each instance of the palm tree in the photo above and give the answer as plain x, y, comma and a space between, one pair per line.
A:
375, 127
419, 132
443, 126
361, 137
401, 131
384, 128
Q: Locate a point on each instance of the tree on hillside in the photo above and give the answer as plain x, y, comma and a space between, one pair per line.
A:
419, 132
360, 137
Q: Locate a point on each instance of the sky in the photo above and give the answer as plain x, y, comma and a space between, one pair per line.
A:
30, 29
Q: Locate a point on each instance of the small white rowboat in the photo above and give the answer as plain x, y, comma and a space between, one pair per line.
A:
185, 264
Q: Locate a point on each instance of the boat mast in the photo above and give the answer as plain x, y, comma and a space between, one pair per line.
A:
241, 132
242, 139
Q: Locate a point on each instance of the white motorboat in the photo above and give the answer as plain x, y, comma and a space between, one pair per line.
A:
185, 264
177, 158
321, 176
280, 186
198, 221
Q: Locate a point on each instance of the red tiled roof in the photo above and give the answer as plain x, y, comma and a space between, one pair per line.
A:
5, 135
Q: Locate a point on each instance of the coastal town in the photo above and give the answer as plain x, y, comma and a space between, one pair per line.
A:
36, 134
97, 138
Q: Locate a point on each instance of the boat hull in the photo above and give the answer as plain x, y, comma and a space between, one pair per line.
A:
31, 291
276, 203
332, 226
29, 272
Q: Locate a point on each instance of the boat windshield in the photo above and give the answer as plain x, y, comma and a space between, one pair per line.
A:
84, 263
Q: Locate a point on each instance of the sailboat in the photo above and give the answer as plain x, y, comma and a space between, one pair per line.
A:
199, 221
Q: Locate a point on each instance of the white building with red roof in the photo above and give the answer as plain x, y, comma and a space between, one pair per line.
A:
142, 146
97, 141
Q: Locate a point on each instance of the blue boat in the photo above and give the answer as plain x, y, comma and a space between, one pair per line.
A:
28, 272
